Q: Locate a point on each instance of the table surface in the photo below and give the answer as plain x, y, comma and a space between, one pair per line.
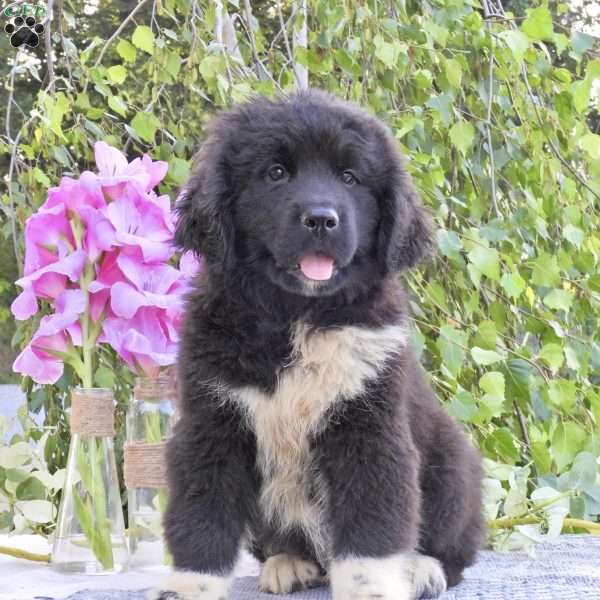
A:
568, 569
26, 580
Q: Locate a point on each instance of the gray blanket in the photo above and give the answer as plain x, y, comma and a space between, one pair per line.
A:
566, 570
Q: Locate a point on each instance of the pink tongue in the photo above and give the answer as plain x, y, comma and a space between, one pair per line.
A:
319, 268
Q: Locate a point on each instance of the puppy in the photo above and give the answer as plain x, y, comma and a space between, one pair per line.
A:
307, 430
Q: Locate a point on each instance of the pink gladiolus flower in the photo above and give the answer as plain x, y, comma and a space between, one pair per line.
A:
98, 250
43, 358
48, 282
190, 265
115, 172
143, 341
148, 285
38, 364
47, 233
72, 194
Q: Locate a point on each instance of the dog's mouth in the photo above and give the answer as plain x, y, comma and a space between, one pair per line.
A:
316, 267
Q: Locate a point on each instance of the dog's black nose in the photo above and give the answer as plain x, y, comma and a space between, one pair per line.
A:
320, 218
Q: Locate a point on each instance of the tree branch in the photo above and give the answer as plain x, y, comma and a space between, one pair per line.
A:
118, 30
248, 17
490, 99
301, 41
48, 48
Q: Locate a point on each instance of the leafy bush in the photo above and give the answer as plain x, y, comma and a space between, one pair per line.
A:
494, 112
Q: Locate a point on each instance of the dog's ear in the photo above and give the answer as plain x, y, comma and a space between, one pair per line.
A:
203, 209
405, 231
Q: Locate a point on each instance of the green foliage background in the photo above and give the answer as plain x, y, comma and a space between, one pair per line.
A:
497, 115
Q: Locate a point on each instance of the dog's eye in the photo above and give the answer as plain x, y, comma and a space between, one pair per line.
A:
276, 173
349, 178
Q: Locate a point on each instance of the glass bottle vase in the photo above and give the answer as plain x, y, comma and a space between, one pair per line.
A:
90, 534
150, 417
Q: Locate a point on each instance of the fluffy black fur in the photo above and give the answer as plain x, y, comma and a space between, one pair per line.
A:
399, 473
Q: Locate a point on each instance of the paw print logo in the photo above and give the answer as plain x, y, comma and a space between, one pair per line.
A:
24, 32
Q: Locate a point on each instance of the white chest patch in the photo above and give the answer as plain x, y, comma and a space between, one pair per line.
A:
327, 366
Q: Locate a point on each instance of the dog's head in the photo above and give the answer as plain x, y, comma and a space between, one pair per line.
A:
308, 192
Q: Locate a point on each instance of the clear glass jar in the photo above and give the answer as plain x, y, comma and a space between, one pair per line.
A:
90, 534
150, 418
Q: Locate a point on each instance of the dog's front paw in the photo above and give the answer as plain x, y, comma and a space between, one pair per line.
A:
284, 573
187, 585
386, 578
428, 577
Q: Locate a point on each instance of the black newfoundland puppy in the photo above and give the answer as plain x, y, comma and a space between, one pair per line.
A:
307, 430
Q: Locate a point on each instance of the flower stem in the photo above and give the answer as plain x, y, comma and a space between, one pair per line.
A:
510, 522
592, 527
24, 554
87, 342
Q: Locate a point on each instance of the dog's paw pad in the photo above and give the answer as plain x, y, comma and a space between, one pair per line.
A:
284, 573
429, 580
24, 32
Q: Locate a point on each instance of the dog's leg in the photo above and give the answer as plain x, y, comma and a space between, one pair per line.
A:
369, 467
212, 491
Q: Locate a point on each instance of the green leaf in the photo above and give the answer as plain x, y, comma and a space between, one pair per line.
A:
552, 354
541, 457
562, 394
449, 243
126, 51
16, 455
104, 377
145, 124
386, 53
567, 441
546, 271
538, 24
517, 42
581, 42
559, 300
117, 104
452, 343
143, 38
487, 335
117, 74
179, 170
462, 135
31, 489
41, 177
492, 383
501, 444
486, 260
210, 67
173, 64
573, 235
463, 406
485, 357
590, 142
584, 472
513, 284
453, 73
37, 511
438, 34
6, 521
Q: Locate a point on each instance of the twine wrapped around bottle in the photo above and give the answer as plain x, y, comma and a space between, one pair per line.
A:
145, 465
92, 413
